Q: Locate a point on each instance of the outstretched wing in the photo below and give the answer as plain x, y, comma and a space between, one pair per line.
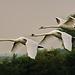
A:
45, 39
67, 40
31, 48
16, 45
59, 20
70, 21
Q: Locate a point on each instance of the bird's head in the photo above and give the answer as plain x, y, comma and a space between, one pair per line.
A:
32, 35
42, 27
35, 35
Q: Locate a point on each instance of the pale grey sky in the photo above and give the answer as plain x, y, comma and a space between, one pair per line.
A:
24, 17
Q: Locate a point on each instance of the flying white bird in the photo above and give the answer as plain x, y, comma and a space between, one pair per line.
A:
30, 44
64, 24
66, 38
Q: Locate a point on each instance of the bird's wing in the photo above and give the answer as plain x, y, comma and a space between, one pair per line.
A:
45, 39
70, 21
59, 20
31, 48
16, 45
67, 40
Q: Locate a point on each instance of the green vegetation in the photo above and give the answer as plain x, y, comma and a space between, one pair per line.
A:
52, 62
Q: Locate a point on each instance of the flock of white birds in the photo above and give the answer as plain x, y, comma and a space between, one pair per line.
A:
32, 46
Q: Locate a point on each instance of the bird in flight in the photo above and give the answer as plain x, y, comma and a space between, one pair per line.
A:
65, 38
30, 44
64, 24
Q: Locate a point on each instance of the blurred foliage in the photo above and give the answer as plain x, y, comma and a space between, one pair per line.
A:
51, 62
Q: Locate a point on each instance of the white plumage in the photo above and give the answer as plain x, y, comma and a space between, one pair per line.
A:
64, 24
66, 38
30, 44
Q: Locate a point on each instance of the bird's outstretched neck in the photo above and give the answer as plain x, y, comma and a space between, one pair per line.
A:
7, 40
35, 35
43, 27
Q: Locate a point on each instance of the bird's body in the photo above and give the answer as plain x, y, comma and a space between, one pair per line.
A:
66, 38
64, 24
30, 44
66, 27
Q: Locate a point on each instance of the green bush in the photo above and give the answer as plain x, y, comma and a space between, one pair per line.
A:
70, 62
51, 62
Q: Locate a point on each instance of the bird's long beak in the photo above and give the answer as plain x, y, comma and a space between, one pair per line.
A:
44, 27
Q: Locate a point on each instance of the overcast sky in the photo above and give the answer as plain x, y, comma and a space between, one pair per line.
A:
24, 17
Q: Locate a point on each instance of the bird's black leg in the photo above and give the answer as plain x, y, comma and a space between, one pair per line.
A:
40, 47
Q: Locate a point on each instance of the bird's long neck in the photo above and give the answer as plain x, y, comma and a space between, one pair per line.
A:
51, 26
7, 40
41, 34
